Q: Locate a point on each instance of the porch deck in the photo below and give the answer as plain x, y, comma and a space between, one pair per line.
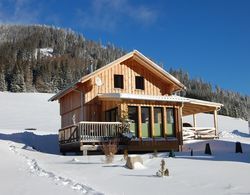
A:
90, 135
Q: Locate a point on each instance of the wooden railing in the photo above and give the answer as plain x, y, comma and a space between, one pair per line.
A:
69, 134
198, 133
88, 131
99, 131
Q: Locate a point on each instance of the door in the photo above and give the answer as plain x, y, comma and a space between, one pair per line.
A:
145, 121
133, 117
158, 122
170, 122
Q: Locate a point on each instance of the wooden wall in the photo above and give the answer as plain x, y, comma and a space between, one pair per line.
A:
129, 69
70, 105
92, 110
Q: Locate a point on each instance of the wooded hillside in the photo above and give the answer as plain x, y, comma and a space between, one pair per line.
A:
47, 59
40, 58
235, 104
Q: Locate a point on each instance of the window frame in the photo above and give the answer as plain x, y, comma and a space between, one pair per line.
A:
173, 134
117, 79
140, 82
108, 114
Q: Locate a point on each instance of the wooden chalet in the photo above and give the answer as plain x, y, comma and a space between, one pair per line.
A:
132, 87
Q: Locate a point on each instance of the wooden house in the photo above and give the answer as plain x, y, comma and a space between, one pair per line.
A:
131, 87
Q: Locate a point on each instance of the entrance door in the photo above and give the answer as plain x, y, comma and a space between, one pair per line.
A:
158, 122
145, 121
170, 122
133, 117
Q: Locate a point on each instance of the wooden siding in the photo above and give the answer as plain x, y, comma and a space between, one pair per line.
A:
70, 102
94, 110
70, 107
129, 69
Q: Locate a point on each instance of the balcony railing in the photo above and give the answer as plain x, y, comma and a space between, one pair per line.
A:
88, 131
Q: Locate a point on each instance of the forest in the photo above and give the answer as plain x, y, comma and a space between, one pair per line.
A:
39, 58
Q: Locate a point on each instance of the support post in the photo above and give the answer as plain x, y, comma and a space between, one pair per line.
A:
152, 121
181, 125
139, 122
194, 120
165, 121
215, 122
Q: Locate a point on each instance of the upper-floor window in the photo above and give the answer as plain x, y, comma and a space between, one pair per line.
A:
139, 82
118, 81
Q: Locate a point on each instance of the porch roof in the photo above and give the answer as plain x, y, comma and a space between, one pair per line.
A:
128, 96
190, 105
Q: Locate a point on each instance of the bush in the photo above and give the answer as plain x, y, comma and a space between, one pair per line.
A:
109, 149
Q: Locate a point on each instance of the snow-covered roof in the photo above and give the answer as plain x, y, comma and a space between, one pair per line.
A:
172, 98
191, 106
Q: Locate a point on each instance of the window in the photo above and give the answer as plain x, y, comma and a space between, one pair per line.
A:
133, 116
111, 115
139, 82
145, 122
118, 81
170, 122
158, 122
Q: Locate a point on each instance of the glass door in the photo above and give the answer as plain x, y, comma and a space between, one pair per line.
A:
133, 117
170, 122
158, 122
145, 121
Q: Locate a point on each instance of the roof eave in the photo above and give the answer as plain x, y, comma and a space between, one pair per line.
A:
63, 92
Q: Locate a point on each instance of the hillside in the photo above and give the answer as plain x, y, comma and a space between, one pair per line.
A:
33, 165
235, 104
46, 59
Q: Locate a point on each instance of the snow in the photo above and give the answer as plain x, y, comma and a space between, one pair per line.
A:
31, 164
138, 165
225, 123
44, 52
29, 110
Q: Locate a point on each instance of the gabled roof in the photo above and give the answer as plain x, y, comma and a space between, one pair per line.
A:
135, 55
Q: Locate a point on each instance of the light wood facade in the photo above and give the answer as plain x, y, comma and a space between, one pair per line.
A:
146, 92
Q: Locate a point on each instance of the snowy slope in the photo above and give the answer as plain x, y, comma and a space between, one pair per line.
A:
28, 110
30, 162
32, 110
225, 123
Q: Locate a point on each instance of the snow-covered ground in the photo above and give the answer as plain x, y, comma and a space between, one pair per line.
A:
225, 123
19, 111
30, 163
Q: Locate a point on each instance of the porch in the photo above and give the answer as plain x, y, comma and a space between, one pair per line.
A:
89, 136
155, 123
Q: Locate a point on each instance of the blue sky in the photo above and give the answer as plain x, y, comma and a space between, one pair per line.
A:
208, 38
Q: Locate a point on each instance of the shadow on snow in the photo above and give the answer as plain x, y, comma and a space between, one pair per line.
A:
42, 143
221, 151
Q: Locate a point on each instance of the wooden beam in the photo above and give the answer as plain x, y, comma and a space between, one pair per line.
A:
139, 122
181, 129
194, 120
165, 122
215, 121
152, 121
